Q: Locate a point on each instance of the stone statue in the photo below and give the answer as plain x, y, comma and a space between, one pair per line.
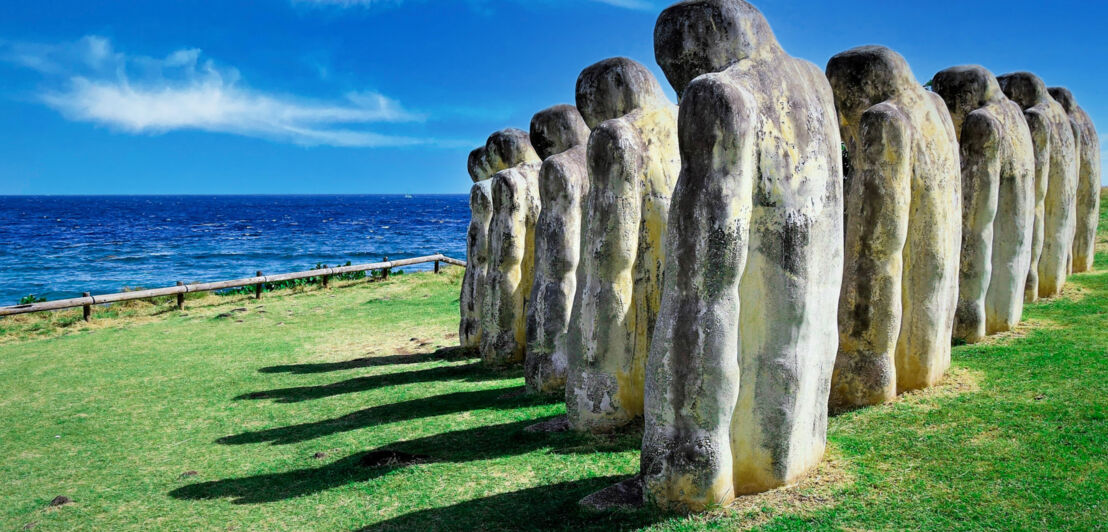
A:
1088, 184
740, 365
495, 293
1055, 183
559, 135
903, 217
503, 149
477, 261
998, 201
633, 164
558, 129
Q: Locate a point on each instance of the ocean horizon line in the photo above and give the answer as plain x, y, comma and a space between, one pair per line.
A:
237, 195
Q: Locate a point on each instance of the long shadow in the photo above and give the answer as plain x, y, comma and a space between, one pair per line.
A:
470, 372
481, 443
455, 353
280, 486
551, 507
451, 403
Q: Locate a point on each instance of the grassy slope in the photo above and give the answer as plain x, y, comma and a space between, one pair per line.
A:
114, 414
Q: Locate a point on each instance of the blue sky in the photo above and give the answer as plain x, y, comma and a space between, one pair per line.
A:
389, 96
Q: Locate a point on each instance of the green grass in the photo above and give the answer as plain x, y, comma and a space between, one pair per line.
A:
119, 413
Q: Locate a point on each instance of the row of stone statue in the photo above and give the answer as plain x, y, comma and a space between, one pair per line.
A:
710, 269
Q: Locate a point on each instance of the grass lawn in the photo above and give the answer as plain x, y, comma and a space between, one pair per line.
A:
285, 413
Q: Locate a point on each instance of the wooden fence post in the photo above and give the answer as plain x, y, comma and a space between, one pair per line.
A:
87, 301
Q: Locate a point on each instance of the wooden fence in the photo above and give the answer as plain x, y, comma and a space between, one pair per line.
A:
258, 282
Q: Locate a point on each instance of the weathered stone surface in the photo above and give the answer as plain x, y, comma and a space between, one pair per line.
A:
515, 210
557, 129
477, 260
504, 149
998, 201
1055, 182
1088, 184
736, 394
903, 229
633, 164
564, 183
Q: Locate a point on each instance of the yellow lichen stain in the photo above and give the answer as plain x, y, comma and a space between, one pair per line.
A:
640, 286
629, 389
684, 494
754, 473
752, 466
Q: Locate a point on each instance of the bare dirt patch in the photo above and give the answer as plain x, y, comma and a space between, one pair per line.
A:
390, 458
817, 491
958, 381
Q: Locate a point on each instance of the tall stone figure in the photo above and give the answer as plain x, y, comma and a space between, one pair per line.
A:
1055, 183
633, 164
998, 201
903, 218
515, 208
477, 262
1088, 184
559, 134
740, 366
504, 149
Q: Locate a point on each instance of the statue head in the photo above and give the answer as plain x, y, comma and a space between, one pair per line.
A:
965, 89
865, 76
1024, 88
504, 149
478, 165
697, 37
557, 129
1063, 96
614, 87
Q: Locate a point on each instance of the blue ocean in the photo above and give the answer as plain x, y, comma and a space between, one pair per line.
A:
60, 246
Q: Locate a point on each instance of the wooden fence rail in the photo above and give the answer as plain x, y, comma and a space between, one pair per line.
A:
181, 289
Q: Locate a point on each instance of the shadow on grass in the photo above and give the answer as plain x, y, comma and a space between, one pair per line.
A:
474, 372
455, 353
481, 443
451, 403
552, 507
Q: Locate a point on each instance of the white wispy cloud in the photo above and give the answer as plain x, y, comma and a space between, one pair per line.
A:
629, 4
90, 81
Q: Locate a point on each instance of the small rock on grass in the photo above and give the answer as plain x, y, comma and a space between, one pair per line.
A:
390, 458
60, 500
514, 393
558, 424
188, 474
626, 495
319, 456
